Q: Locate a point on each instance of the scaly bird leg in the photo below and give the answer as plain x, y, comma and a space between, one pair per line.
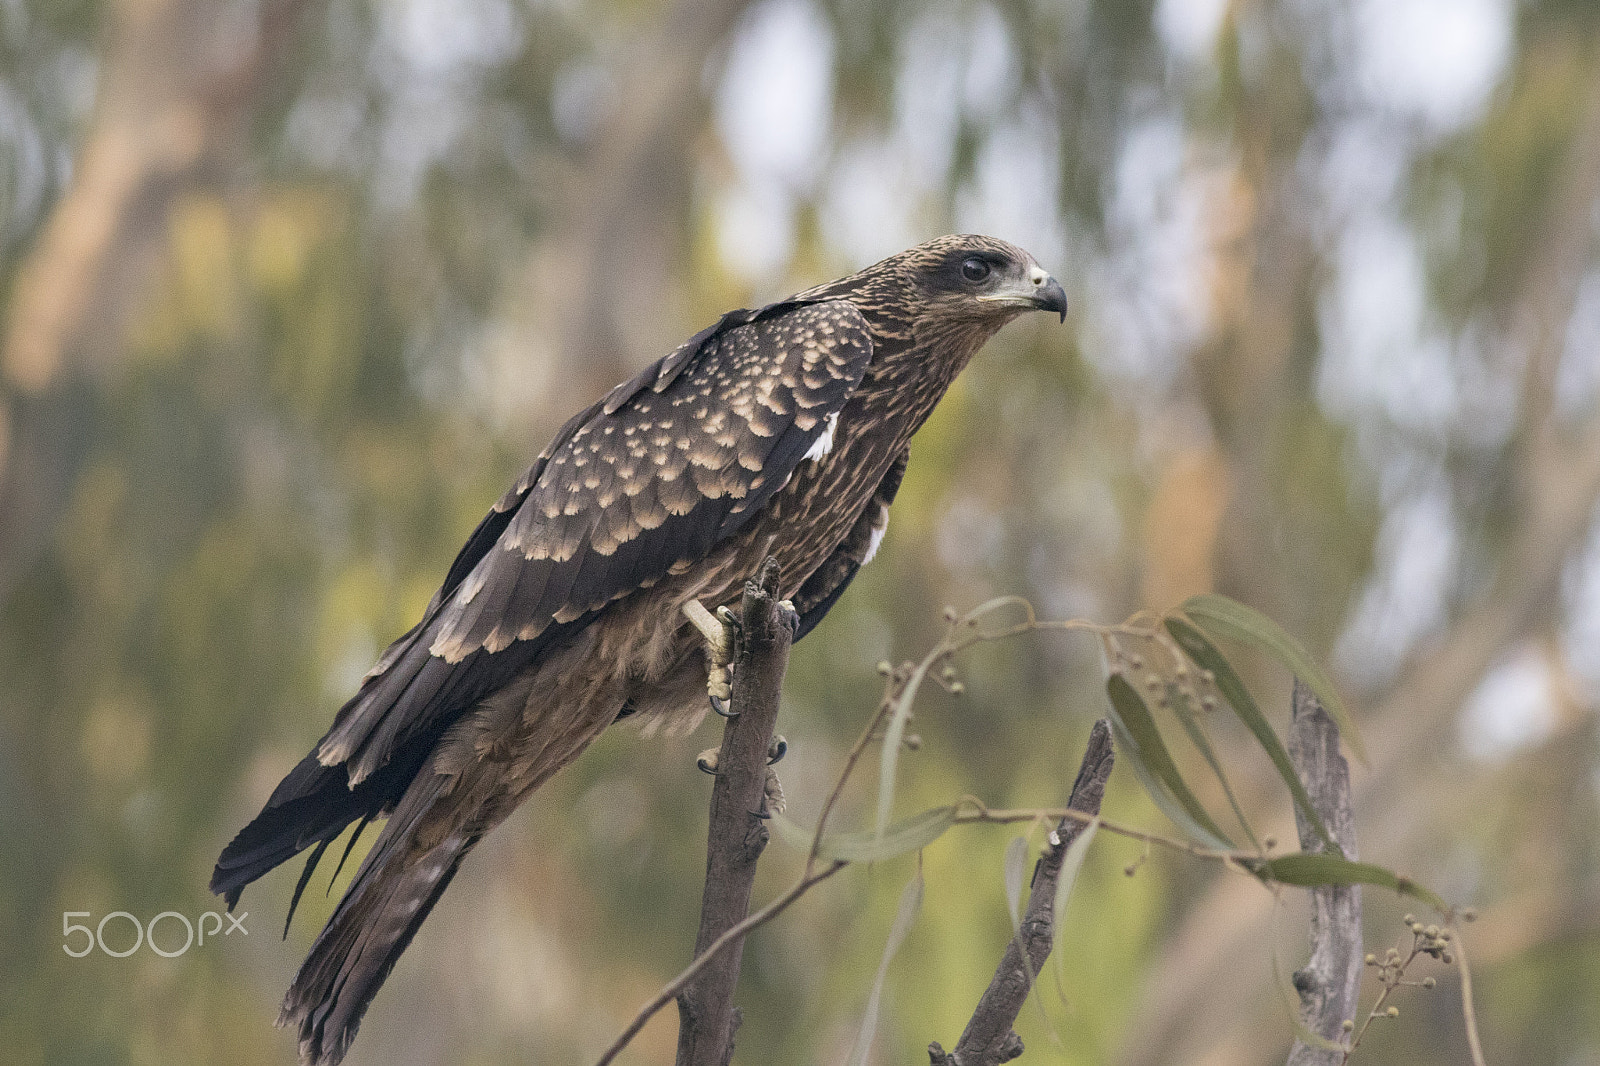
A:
721, 631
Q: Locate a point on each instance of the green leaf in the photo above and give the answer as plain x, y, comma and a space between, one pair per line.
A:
888, 766
1309, 870
1206, 656
1143, 744
915, 832
1015, 865
1158, 792
1071, 864
1222, 617
1189, 717
893, 737
910, 905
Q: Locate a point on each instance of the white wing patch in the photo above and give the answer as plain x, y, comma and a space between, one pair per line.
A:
877, 536
823, 444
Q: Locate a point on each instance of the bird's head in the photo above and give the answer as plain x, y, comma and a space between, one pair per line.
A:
976, 278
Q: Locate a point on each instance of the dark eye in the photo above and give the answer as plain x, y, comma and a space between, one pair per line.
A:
974, 270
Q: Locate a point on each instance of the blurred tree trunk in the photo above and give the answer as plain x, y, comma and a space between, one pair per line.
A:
179, 91
604, 293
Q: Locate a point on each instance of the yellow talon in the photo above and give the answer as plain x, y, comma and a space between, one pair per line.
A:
719, 630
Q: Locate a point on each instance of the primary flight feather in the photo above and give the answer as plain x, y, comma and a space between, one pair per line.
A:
781, 432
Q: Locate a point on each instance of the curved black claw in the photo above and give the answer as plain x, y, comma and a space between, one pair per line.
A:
721, 707
777, 749
708, 762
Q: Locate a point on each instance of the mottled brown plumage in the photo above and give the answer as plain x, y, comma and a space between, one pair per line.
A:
781, 431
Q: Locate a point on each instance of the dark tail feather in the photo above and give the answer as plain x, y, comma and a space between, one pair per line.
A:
392, 893
300, 886
312, 805
361, 827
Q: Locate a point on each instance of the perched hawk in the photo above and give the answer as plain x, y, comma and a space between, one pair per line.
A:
780, 431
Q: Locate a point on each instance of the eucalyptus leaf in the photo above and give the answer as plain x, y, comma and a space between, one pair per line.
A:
915, 832
1194, 726
1222, 617
1066, 880
905, 915
1147, 747
1205, 655
1015, 862
889, 759
1308, 870
1158, 792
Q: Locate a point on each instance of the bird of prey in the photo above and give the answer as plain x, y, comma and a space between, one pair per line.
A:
780, 432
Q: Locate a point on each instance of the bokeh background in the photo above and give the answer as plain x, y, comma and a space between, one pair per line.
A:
293, 288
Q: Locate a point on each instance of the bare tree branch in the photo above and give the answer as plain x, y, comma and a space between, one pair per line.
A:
738, 832
989, 1038
1331, 979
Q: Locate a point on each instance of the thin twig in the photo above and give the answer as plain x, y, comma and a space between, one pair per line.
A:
1378, 1005
673, 987
1008, 816
1432, 941
1469, 1013
899, 691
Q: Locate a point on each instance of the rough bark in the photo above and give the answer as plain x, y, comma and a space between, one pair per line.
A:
1331, 979
707, 1018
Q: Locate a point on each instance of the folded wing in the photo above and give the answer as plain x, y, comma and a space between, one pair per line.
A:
640, 485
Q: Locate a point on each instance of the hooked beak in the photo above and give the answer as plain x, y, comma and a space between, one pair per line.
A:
1040, 292
1048, 295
